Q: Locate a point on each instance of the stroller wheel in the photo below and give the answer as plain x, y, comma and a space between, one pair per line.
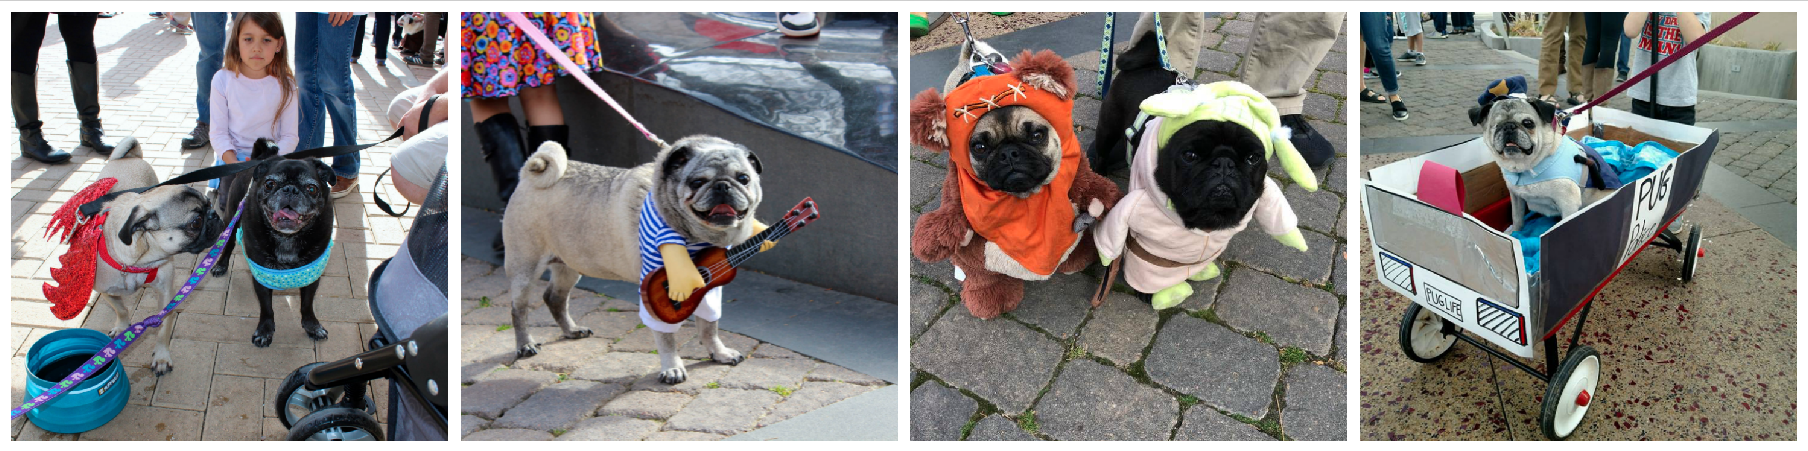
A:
295, 401
1422, 336
1571, 391
337, 424
1691, 254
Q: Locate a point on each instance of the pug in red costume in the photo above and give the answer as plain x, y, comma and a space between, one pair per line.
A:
1019, 195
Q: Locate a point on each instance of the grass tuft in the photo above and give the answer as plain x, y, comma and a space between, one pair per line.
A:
504, 327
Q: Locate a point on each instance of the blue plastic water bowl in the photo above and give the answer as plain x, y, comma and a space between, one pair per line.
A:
91, 403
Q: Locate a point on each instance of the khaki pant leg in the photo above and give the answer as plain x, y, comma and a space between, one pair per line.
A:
1578, 37
1185, 33
1285, 53
1550, 53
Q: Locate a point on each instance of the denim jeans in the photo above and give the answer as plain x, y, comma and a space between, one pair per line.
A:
210, 31
1439, 20
1378, 35
322, 53
379, 35
1625, 44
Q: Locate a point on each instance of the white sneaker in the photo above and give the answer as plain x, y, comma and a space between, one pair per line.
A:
798, 25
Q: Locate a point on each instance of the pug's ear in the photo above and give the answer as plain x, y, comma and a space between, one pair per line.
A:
1547, 112
133, 225
262, 149
755, 160
675, 160
325, 173
928, 126
1480, 113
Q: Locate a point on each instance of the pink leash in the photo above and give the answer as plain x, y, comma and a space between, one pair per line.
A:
545, 44
1648, 72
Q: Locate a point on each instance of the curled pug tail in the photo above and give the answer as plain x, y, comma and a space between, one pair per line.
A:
123, 148
545, 166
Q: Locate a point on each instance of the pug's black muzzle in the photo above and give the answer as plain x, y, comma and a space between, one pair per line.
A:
1015, 168
210, 229
1512, 138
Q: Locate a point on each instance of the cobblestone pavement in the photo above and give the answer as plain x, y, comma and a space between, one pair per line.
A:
1758, 138
222, 386
1256, 354
1712, 359
606, 387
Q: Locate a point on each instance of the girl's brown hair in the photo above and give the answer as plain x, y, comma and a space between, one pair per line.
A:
279, 65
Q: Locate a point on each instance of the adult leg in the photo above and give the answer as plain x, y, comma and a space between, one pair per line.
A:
1183, 30
1578, 35
429, 37
1377, 36
1283, 55
312, 128
1439, 22
84, 76
358, 38
1550, 54
336, 43
28, 35
379, 37
545, 118
210, 34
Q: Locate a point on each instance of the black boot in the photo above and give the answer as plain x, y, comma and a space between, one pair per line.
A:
1313, 147
540, 134
25, 117
84, 81
500, 139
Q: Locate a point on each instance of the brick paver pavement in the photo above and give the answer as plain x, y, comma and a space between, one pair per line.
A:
1255, 354
222, 386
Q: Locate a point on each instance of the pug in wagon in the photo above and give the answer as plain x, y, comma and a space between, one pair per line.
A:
1546, 171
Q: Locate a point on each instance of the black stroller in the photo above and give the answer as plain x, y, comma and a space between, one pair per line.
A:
329, 401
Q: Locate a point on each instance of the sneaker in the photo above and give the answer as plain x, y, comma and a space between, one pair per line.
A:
1419, 60
1369, 75
1408, 56
799, 25
344, 186
197, 137
1436, 35
1399, 110
1621, 78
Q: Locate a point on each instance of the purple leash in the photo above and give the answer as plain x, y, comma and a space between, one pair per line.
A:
132, 334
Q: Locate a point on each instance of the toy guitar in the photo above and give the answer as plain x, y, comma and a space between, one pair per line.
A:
717, 266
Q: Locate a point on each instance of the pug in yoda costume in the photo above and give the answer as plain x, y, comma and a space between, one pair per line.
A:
1199, 175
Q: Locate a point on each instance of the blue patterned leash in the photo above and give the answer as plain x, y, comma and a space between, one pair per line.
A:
136, 331
1103, 82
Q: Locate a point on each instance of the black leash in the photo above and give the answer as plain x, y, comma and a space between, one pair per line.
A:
376, 194
213, 172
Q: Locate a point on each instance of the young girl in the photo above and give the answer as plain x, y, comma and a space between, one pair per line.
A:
255, 96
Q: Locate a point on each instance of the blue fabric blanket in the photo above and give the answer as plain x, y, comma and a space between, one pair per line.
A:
1632, 163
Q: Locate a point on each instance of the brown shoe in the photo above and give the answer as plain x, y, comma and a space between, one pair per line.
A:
344, 186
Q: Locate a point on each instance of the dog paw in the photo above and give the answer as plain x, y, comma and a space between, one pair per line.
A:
160, 368
261, 340
1082, 221
219, 270
672, 376
265, 331
315, 331
527, 350
728, 357
582, 332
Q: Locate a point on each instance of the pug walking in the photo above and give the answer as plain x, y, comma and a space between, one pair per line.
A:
574, 218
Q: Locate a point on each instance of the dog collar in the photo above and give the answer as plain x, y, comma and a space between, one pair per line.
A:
101, 248
286, 279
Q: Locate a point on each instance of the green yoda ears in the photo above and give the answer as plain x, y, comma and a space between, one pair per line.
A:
1236, 103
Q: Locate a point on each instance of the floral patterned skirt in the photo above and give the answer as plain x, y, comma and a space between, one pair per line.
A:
499, 59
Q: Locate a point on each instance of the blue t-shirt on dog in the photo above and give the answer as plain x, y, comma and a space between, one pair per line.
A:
654, 231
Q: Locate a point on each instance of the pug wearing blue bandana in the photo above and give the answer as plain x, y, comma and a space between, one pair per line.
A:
1545, 171
286, 230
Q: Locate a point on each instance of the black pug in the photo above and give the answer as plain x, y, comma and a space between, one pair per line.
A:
1139, 75
287, 224
1213, 172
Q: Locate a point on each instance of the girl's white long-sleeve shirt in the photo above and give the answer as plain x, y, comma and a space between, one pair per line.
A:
245, 109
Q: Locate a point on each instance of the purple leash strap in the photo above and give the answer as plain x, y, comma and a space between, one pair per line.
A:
132, 334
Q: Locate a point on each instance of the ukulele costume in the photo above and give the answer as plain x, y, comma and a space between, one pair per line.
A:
654, 231
1163, 254
996, 239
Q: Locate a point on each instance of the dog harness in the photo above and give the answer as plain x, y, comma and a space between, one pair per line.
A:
286, 279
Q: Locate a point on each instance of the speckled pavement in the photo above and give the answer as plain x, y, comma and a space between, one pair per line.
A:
1713, 359
606, 387
222, 386
1256, 354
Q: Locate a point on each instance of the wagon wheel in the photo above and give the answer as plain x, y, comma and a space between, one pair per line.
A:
337, 424
1422, 336
1692, 253
1571, 391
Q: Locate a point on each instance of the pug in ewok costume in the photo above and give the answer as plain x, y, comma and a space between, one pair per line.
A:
1200, 174
1019, 194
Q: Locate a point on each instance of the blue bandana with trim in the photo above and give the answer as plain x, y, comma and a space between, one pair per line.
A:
286, 279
